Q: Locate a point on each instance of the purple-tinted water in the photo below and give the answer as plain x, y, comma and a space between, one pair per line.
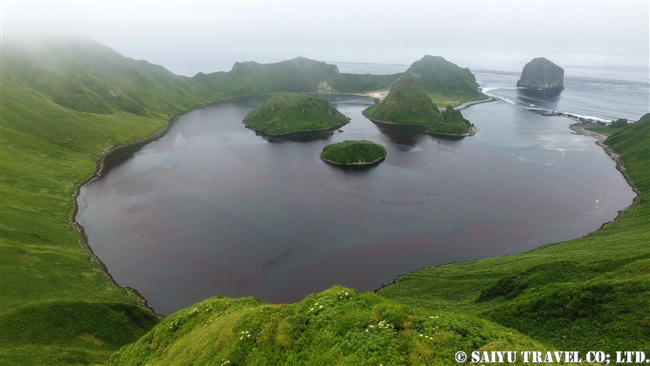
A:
213, 209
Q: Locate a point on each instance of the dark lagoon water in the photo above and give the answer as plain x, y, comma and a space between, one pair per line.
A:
211, 208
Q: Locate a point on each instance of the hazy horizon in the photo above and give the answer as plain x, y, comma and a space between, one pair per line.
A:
188, 38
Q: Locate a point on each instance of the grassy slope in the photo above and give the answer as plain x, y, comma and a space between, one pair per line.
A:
287, 112
445, 82
585, 294
407, 103
352, 152
57, 305
335, 327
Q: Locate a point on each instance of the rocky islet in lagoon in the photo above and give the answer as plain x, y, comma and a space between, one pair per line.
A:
407, 104
354, 153
289, 113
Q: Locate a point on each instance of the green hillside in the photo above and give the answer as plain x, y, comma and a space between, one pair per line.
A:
285, 113
445, 82
584, 294
86, 76
351, 152
408, 104
57, 304
246, 78
335, 327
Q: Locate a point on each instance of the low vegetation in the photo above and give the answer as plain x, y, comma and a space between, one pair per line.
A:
352, 152
285, 113
334, 327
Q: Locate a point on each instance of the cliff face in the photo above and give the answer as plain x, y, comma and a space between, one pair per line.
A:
541, 73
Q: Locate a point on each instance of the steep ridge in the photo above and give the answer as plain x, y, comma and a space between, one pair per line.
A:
87, 76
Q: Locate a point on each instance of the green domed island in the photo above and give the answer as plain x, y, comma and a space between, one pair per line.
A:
409, 104
286, 113
352, 152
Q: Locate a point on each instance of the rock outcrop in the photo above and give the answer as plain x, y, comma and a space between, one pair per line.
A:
541, 73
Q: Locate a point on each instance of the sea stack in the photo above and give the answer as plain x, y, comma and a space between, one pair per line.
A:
541, 73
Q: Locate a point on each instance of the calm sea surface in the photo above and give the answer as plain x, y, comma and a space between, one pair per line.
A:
211, 208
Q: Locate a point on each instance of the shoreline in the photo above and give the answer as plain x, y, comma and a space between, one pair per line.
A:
355, 164
472, 130
100, 170
333, 128
578, 128
469, 104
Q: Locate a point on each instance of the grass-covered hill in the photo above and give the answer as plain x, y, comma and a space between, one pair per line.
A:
353, 152
246, 78
408, 104
585, 294
445, 82
285, 113
335, 327
298, 75
87, 76
57, 306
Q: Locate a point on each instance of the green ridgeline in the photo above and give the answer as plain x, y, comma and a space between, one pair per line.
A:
335, 327
299, 75
445, 82
59, 113
585, 294
408, 104
286, 113
352, 152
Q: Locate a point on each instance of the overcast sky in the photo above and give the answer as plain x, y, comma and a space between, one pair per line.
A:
210, 36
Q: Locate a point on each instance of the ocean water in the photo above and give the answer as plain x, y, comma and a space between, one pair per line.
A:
211, 208
597, 87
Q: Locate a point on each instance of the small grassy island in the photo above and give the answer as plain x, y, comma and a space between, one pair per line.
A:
286, 113
408, 104
353, 152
